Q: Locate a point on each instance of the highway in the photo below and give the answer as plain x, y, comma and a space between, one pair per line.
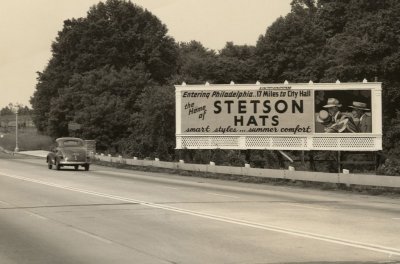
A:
108, 215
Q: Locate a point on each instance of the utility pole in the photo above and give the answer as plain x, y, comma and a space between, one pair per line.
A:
16, 130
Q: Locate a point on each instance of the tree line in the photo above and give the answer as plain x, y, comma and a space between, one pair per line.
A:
12, 109
113, 71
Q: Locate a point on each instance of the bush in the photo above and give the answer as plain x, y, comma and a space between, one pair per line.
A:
391, 167
235, 158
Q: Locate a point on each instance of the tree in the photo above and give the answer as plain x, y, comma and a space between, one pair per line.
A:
7, 110
152, 126
235, 63
367, 45
195, 63
11, 108
102, 101
117, 36
198, 64
291, 48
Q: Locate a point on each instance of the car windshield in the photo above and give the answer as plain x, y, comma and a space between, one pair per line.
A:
72, 143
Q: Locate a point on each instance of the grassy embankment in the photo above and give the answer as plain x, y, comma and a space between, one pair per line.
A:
26, 141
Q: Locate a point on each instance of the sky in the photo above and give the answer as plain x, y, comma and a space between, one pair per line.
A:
28, 27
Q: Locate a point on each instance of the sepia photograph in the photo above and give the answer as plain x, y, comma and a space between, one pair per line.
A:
343, 112
200, 132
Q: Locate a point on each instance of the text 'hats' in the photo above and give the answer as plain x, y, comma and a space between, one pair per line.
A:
332, 102
359, 105
323, 117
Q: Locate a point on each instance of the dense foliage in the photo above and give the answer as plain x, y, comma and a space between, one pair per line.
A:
100, 64
11, 109
113, 71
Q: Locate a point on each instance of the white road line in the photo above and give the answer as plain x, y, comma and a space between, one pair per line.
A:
91, 235
217, 194
306, 206
173, 188
38, 216
293, 232
396, 218
5, 203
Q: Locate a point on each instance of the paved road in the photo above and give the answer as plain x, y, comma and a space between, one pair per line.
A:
119, 216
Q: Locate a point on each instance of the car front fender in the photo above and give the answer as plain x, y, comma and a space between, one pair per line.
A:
51, 157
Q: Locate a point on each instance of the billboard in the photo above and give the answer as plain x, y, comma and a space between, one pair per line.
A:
279, 116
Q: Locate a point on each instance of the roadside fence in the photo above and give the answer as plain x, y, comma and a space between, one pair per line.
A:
345, 177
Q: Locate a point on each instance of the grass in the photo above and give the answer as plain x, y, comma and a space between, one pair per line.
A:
367, 190
27, 140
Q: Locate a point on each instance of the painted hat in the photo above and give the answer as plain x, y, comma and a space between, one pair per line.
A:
359, 105
323, 117
332, 102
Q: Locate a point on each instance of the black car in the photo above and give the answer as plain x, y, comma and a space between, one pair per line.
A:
69, 152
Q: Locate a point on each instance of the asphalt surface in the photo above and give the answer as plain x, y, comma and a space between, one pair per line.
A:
119, 216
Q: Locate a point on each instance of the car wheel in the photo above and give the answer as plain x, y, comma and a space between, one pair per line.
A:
76, 167
58, 166
86, 167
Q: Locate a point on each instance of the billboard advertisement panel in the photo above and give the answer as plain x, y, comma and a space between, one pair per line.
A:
266, 112
247, 112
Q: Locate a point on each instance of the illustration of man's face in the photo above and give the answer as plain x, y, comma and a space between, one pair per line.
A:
357, 113
333, 110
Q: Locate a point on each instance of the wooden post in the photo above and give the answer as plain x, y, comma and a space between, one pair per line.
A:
338, 161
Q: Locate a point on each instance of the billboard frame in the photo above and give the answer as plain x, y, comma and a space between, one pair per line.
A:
317, 141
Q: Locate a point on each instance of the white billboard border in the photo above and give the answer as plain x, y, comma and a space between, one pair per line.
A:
336, 142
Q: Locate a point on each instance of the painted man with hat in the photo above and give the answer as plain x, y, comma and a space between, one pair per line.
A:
340, 123
324, 120
364, 125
